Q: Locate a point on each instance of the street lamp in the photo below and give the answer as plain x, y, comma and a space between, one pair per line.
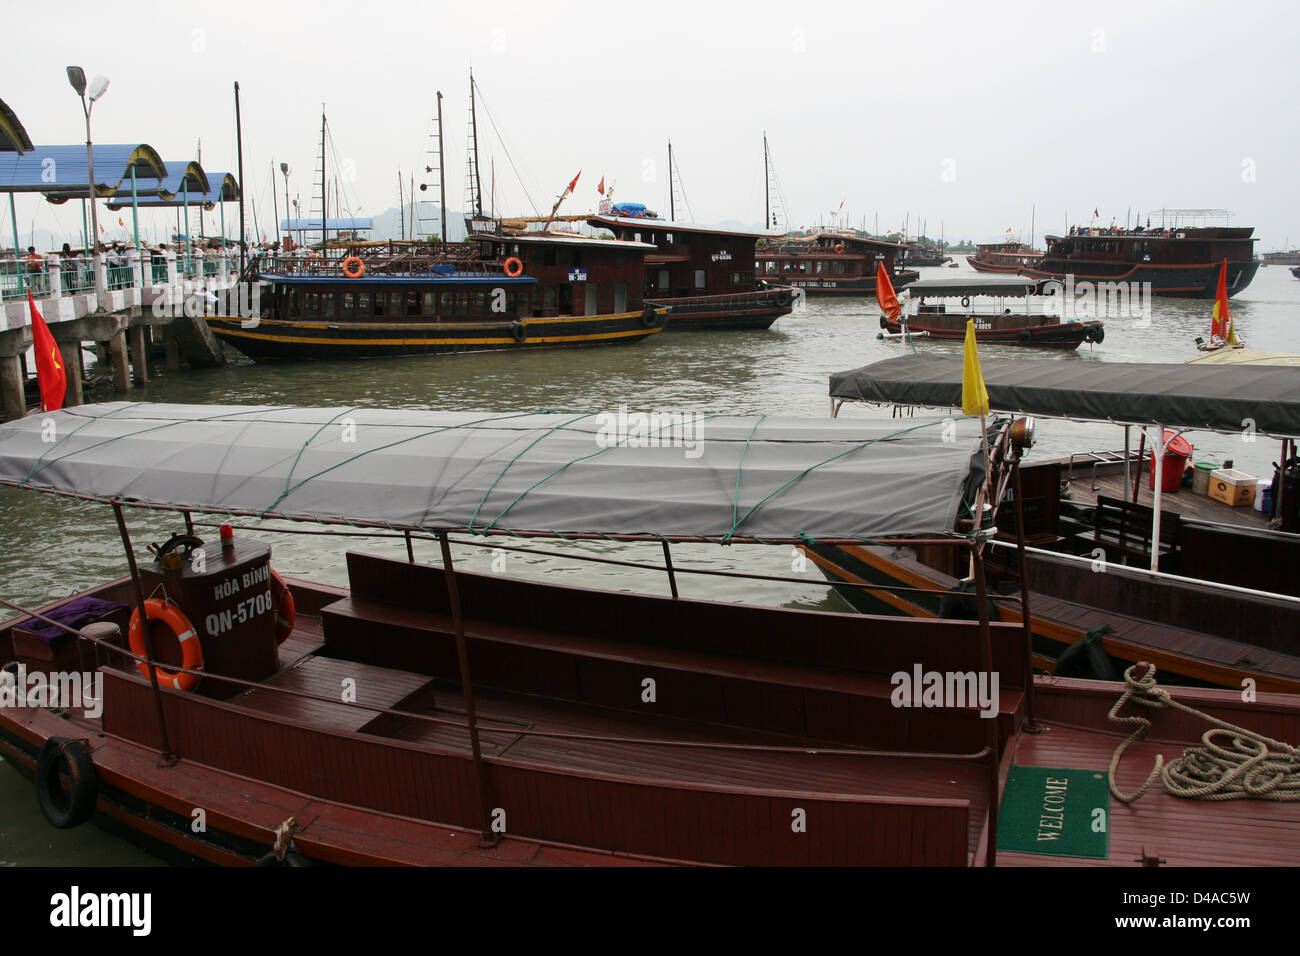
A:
284, 168
98, 87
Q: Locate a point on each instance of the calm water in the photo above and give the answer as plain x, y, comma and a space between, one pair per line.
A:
51, 546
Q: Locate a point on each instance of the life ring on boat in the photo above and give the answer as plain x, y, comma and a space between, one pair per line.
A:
965, 302
191, 649
514, 267
839, 247
520, 332
284, 607
1023, 337
77, 805
348, 269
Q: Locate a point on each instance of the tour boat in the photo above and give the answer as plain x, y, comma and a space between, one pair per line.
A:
832, 263
1006, 311
430, 714
704, 274
1215, 601
1006, 257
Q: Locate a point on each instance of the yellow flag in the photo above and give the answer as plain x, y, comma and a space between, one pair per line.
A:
974, 396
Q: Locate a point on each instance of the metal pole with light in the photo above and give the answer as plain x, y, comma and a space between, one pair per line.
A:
98, 87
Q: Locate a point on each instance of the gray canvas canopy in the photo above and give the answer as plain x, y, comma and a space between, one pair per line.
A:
974, 285
1222, 398
549, 473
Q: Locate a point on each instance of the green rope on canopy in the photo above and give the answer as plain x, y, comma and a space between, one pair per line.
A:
735, 499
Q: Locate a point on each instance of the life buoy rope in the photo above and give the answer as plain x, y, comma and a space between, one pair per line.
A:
285, 611
191, 650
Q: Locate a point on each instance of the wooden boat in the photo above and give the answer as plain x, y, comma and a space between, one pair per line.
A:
704, 275
430, 715
495, 292
1176, 261
921, 255
1215, 601
1003, 257
940, 308
832, 263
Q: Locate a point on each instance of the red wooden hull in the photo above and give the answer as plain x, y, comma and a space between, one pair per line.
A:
1064, 335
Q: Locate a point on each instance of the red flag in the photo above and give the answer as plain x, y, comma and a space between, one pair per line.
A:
120, 222
1095, 214
50, 374
1221, 324
573, 184
601, 188
885, 293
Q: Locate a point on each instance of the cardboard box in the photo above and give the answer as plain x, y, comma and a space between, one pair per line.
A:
1236, 489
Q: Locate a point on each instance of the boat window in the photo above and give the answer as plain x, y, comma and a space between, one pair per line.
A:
620, 296
478, 303
349, 304
771, 267
837, 268
548, 301
311, 301
562, 257
701, 279
820, 266
327, 305
363, 303
412, 302
430, 303
591, 308
462, 303
637, 236
668, 238
292, 303
381, 303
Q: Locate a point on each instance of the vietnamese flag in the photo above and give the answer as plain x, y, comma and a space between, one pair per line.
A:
1221, 325
50, 374
573, 184
885, 293
601, 188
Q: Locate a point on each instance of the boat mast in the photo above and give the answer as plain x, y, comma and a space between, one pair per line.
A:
473, 127
767, 188
672, 215
239, 146
401, 209
324, 190
275, 205
1033, 210
442, 178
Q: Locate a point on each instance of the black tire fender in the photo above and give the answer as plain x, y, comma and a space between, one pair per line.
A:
520, 332
648, 317
77, 805
1023, 337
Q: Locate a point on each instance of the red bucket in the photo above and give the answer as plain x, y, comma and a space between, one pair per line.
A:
1177, 455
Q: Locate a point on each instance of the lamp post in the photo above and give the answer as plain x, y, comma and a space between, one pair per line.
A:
284, 168
98, 87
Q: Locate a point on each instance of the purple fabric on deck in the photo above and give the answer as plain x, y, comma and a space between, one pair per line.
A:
74, 614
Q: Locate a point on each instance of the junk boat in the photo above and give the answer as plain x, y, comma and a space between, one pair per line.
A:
1007, 311
494, 292
705, 275
427, 714
1120, 566
1179, 261
1005, 257
832, 263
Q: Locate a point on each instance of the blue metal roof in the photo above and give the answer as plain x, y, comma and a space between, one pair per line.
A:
62, 169
313, 225
224, 188
13, 138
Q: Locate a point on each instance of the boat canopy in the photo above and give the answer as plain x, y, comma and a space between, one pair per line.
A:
1223, 398
682, 476
975, 285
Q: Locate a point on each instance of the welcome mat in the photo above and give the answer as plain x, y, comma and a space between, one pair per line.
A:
1055, 812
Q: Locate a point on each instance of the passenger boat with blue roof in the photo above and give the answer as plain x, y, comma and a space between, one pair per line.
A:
493, 292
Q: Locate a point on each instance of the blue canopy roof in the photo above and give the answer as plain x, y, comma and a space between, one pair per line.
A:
334, 225
62, 169
223, 188
13, 138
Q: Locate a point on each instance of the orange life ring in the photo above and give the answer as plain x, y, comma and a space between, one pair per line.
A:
839, 247
347, 269
514, 267
191, 650
284, 607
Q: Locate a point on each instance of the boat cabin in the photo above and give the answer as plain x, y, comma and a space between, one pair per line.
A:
827, 256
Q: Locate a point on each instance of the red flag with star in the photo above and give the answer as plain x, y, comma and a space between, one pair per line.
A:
50, 374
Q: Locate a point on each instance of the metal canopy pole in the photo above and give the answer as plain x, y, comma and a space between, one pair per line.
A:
20, 266
668, 565
986, 665
168, 756
1127, 429
1030, 722
135, 212
467, 689
1158, 444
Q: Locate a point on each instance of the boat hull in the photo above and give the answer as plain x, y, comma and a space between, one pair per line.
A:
744, 311
275, 339
1062, 335
1185, 281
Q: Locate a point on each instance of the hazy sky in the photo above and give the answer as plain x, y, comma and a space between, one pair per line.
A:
966, 113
